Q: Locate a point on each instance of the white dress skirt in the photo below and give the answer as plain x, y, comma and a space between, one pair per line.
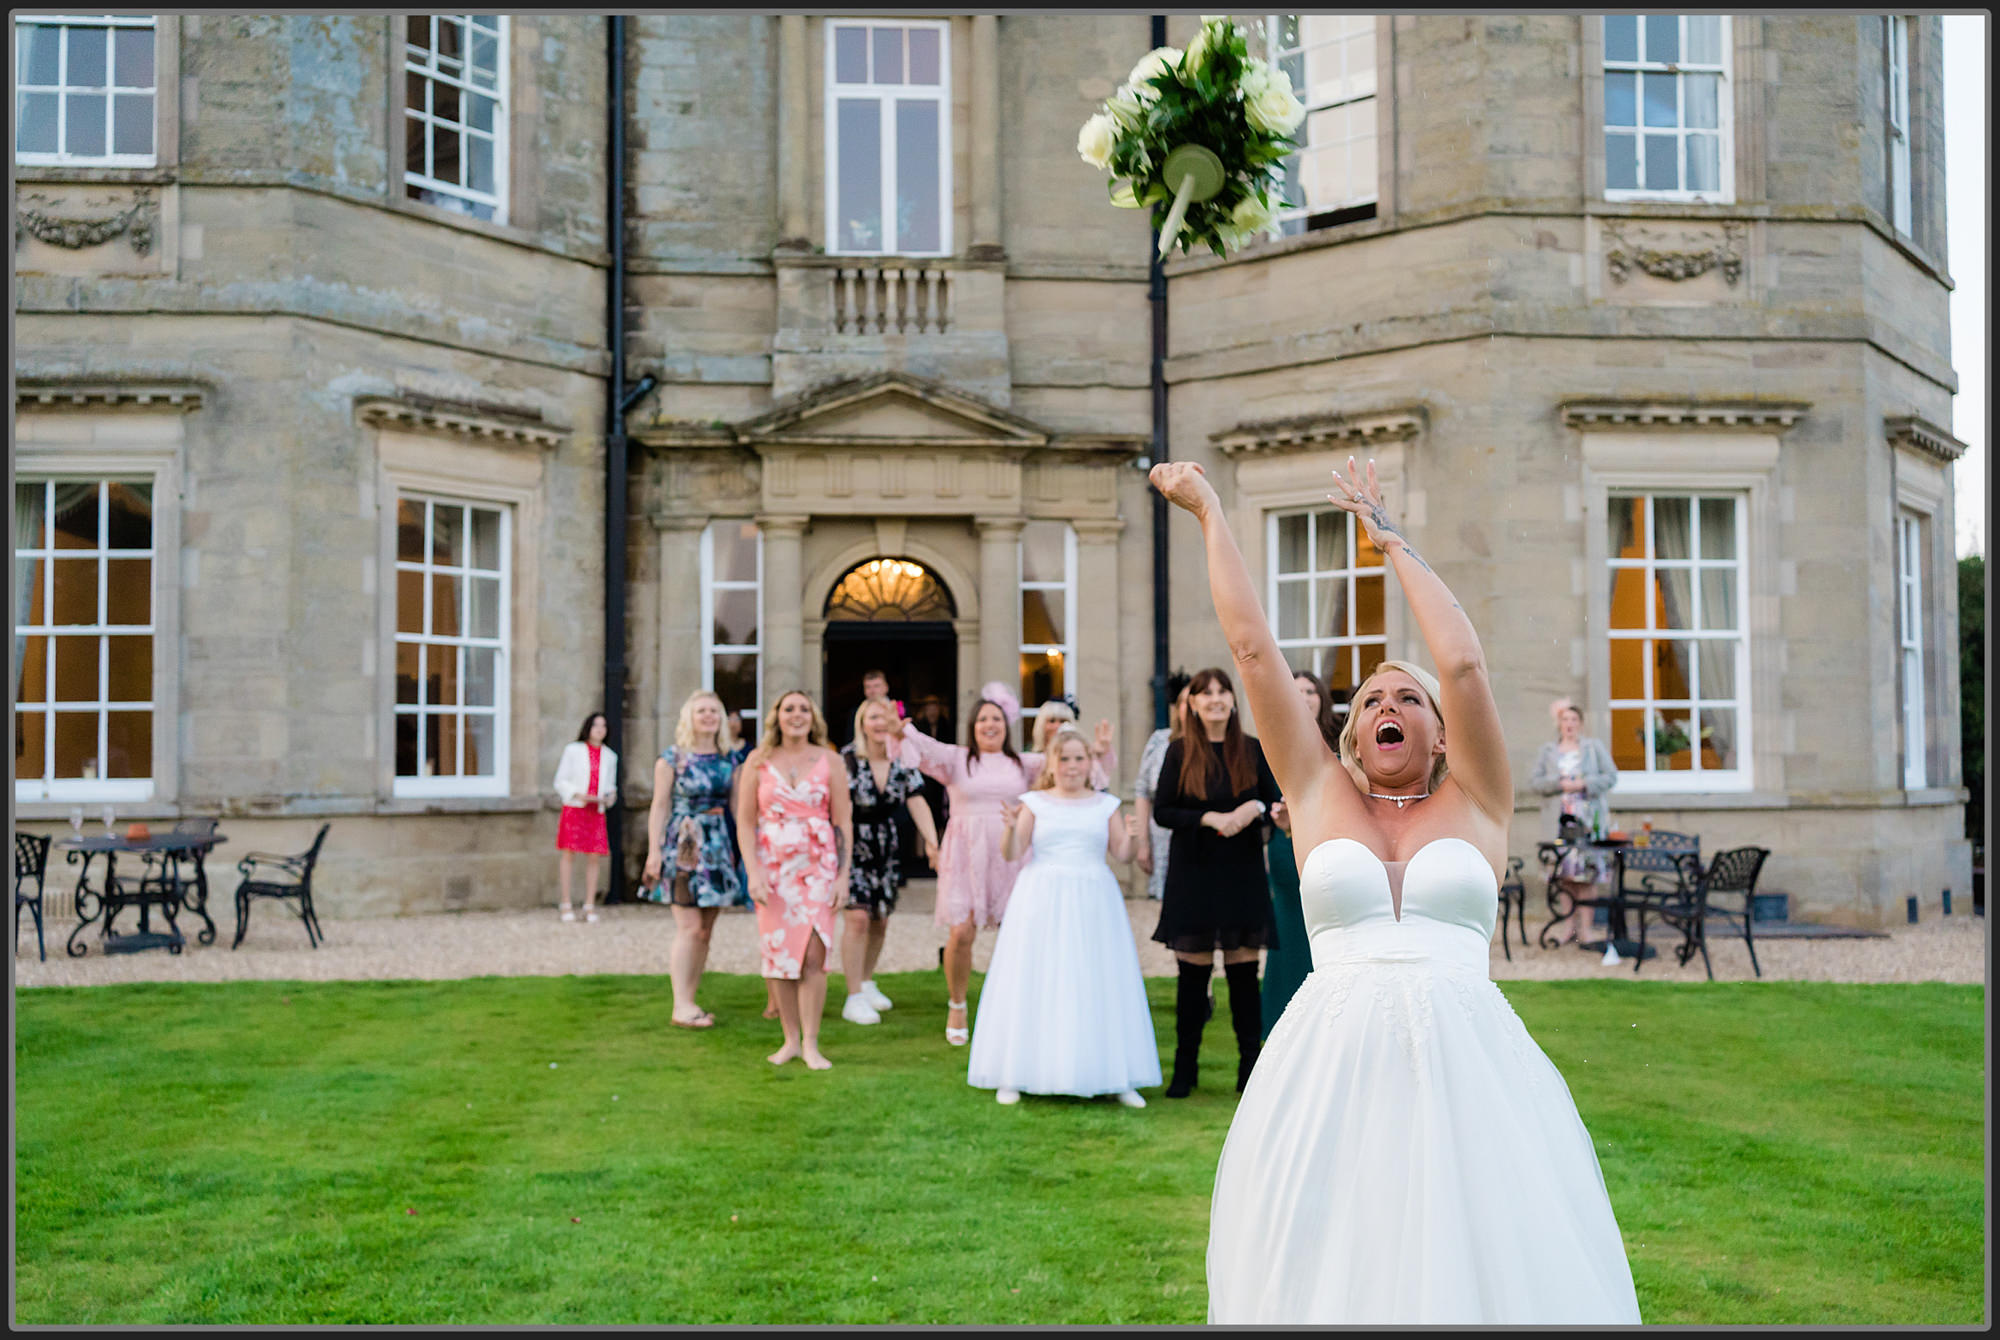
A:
1404, 1153
1064, 1007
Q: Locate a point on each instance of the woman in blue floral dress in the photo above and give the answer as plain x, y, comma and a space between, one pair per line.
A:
692, 861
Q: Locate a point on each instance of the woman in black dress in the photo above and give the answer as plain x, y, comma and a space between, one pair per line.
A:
1215, 796
882, 790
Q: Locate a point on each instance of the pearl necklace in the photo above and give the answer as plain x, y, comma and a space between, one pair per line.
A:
1400, 800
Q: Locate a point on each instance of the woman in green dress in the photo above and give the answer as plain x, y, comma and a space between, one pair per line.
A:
1287, 964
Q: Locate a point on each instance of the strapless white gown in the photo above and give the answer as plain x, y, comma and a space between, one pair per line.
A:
1404, 1152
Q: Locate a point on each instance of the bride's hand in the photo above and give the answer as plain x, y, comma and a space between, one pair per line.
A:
1362, 496
1185, 485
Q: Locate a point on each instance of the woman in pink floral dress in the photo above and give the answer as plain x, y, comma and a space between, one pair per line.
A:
796, 829
980, 777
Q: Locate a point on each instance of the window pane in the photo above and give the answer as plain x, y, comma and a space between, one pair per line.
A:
1621, 98
480, 680
1330, 541
409, 658
1361, 154
446, 161
86, 59
1294, 620
130, 516
30, 744
1628, 738
1718, 669
480, 754
1621, 162
418, 34
735, 546
1330, 612
76, 669
76, 745
441, 676
1041, 677
445, 101
409, 602
1366, 555
1302, 658
1042, 617
1662, 165
1718, 741
850, 55
485, 540
450, 38
31, 523
134, 58
75, 591
1671, 676
33, 685
130, 668
1342, 670
1703, 100
1673, 741
479, 112
445, 618
1663, 38
734, 618
1661, 92
479, 173
1628, 527
84, 132
1704, 39
485, 54
924, 64
40, 60
1292, 542
406, 745
447, 535
888, 55
441, 745
128, 591
1673, 590
860, 189
1628, 667
1368, 608
918, 219
1704, 163
736, 681
128, 744
1621, 37
416, 98
35, 128
1671, 519
416, 148
132, 124
1044, 551
485, 595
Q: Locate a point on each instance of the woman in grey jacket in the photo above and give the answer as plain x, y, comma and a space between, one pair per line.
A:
1573, 773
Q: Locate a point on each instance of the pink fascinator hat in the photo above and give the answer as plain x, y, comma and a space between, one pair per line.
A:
995, 692
1558, 707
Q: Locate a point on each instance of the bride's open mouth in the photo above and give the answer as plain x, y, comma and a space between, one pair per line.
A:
1388, 735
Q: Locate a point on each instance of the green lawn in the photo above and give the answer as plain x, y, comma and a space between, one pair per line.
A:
252, 1152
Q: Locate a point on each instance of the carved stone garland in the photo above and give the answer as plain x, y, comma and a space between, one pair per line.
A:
76, 234
1624, 256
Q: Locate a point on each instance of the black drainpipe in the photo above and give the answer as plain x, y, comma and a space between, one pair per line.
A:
1156, 293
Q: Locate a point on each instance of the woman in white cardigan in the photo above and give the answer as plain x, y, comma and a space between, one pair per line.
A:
1572, 774
587, 784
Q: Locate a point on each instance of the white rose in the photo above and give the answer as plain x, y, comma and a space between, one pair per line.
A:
1152, 65
1095, 141
1214, 30
1268, 102
1251, 216
1125, 109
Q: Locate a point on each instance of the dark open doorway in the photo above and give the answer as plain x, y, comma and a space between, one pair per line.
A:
892, 615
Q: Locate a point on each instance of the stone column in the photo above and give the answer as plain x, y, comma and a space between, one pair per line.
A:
999, 601
794, 143
678, 670
985, 138
1097, 650
784, 627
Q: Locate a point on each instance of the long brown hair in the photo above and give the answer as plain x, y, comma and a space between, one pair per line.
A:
1199, 757
972, 735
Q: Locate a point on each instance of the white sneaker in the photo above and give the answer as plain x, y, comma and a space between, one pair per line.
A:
857, 1010
1131, 1098
1009, 1097
875, 996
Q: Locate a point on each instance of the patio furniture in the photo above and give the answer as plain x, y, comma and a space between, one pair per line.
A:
31, 862
285, 878
183, 875
103, 902
1514, 894
1731, 874
1662, 881
1561, 902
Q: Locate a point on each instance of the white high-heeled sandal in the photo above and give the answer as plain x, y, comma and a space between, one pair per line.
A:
957, 1037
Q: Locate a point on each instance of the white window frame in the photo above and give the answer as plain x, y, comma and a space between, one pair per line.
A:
1292, 221
887, 95
1910, 643
1312, 576
1696, 778
1897, 35
62, 157
93, 790
1725, 127
495, 782
457, 198
1066, 651
710, 648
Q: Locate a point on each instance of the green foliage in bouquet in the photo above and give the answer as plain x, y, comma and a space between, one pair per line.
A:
1214, 95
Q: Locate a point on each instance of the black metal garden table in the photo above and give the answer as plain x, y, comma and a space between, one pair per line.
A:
1616, 930
163, 886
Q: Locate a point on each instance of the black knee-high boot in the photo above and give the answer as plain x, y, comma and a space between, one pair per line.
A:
1246, 1012
1190, 1014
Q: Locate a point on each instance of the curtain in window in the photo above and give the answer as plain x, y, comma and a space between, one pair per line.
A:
28, 502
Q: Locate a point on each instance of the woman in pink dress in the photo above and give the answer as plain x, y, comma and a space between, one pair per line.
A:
980, 777
795, 826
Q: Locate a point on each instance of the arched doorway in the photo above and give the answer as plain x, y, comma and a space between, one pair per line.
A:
892, 615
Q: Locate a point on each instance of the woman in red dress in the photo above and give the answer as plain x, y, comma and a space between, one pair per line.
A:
586, 783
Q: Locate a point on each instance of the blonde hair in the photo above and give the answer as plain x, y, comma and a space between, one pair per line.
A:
773, 737
1066, 732
684, 732
1054, 710
861, 736
1427, 682
1556, 710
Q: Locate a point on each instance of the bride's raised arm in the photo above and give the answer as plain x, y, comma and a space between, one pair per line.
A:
1473, 742
1299, 758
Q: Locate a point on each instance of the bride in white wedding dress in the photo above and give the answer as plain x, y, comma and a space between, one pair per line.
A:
1404, 1152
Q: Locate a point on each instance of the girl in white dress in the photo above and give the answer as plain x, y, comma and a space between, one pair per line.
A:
1064, 1007
1403, 1152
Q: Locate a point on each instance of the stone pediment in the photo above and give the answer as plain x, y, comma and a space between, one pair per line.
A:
890, 409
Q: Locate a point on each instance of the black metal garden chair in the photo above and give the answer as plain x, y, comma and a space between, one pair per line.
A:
183, 876
1660, 881
287, 878
1514, 895
31, 862
1730, 875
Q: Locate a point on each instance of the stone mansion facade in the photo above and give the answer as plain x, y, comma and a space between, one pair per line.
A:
1643, 319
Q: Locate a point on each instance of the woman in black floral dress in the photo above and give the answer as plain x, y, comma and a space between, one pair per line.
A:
880, 786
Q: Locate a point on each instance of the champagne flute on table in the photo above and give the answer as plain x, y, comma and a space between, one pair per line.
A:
76, 820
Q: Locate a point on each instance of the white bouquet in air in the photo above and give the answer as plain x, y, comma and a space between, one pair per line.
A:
1199, 136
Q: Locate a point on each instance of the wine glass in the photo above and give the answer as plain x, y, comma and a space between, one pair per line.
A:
76, 820
111, 820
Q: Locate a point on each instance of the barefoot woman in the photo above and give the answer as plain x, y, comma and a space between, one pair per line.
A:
1403, 1153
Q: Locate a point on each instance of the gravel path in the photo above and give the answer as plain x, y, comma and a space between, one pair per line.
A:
636, 939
